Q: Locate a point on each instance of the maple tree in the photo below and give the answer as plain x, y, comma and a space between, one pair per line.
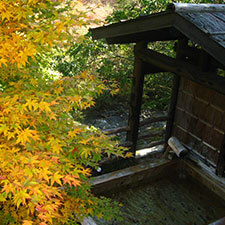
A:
45, 154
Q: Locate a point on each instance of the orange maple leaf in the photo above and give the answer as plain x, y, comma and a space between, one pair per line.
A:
27, 222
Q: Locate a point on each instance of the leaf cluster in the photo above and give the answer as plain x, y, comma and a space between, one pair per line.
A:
45, 153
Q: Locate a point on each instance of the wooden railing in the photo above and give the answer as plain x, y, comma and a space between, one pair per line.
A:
142, 123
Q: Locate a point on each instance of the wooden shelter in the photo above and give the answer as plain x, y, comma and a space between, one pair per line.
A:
197, 108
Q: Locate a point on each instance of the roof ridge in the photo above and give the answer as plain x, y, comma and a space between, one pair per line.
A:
187, 7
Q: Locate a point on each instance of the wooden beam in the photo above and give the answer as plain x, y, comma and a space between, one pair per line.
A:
205, 62
142, 24
152, 144
131, 176
172, 109
153, 120
136, 97
116, 130
220, 169
150, 69
168, 25
182, 68
202, 38
142, 123
194, 54
152, 134
164, 34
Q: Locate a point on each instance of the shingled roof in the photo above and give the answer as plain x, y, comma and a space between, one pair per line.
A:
202, 23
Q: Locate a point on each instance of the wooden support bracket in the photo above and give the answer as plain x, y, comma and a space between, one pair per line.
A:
194, 56
182, 68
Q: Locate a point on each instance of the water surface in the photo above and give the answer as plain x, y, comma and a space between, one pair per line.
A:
168, 201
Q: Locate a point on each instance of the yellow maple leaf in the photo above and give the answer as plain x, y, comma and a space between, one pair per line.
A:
58, 90
3, 61
2, 6
8, 188
25, 135
44, 106
27, 222
56, 178
6, 14
55, 144
76, 182
73, 133
4, 129
31, 104
11, 135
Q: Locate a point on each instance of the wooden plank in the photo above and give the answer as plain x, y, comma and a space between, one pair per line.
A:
152, 134
218, 100
142, 123
199, 128
184, 69
188, 86
181, 134
203, 93
221, 160
192, 32
155, 21
135, 98
185, 101
196, 143
153, 120
132, 176
116, 130
166, 22
208, 23
205, 176
205, 21
203, 110
206, 154
163, 34
197, 157
220, 16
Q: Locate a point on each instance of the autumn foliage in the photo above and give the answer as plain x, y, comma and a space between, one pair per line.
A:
45, 154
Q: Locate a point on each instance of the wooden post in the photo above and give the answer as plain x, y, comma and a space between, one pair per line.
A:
220, 169
173, 100
136, 98
172, 109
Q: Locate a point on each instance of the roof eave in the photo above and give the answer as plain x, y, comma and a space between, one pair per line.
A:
152, 22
